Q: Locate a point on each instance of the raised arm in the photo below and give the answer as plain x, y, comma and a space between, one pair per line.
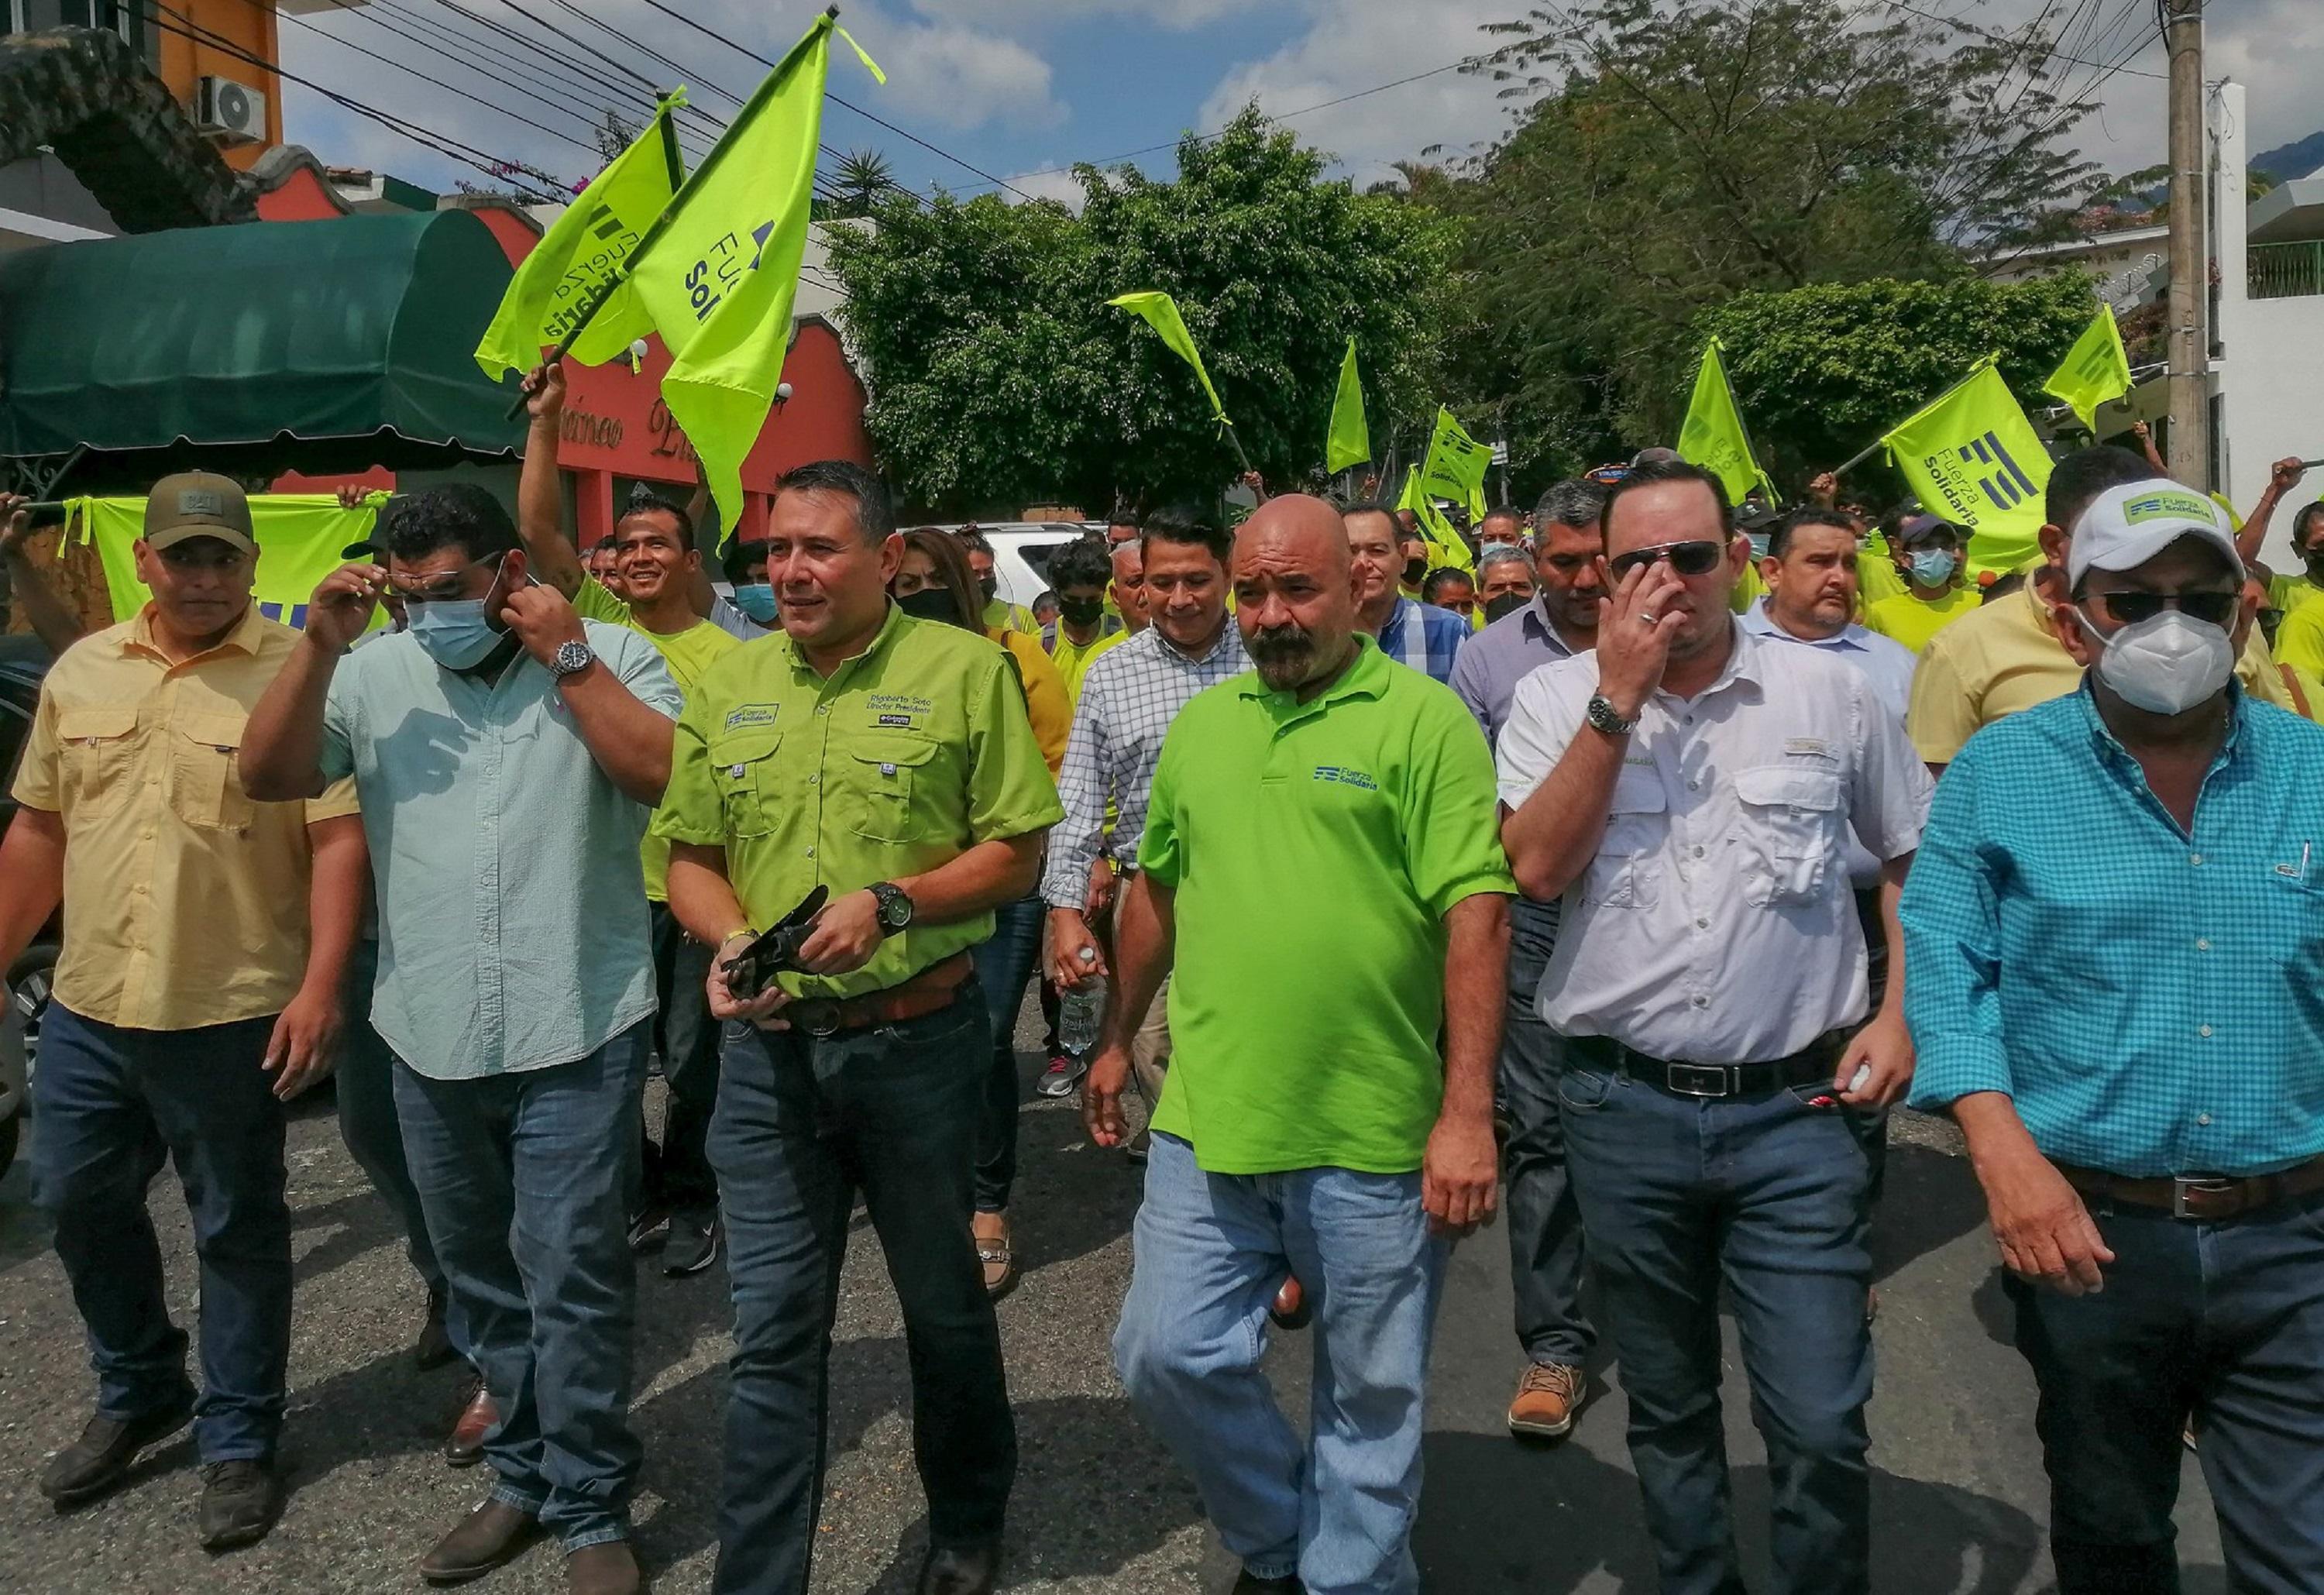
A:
540, 503
51, 619
282, 746
629, 737
2282, 477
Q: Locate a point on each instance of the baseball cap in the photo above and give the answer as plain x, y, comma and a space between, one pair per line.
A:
1917, 527
2125, 527
199, 503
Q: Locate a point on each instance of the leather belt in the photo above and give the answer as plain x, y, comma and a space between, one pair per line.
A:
2201, 1197
1811, 1064
934, 988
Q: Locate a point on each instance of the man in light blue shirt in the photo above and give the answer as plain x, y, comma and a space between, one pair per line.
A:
510, 753
1810, 569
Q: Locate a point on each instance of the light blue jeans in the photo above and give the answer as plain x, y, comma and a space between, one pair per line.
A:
1209, 1251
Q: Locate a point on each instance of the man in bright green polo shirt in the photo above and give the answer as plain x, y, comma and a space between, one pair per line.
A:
889, 762
1322, 880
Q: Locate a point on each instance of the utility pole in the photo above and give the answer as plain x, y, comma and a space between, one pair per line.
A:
2190, 263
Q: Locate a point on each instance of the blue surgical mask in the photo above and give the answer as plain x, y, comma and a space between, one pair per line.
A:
757, 600
1933, 567
454, 632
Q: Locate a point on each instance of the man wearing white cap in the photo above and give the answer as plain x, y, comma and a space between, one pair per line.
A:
2115, 932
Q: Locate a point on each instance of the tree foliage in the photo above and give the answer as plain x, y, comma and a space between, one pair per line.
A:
864, 179
1000, 376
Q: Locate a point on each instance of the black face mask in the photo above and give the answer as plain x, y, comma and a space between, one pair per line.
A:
1505, 604
931, 603
1414, 569
1081, 612
991, 585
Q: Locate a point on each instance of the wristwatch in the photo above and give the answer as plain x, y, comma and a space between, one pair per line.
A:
895, 906
1604, 716
571, 658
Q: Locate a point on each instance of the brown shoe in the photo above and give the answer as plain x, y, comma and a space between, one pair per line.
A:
1547, 1397
493, 1535
990, 1231
240, 1501
101, 1457
607, 1569
465, 1447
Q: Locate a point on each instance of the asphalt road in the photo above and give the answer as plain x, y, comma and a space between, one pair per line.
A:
1959, 1498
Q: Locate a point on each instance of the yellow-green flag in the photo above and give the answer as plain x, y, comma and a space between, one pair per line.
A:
302, 537
1973, 457
582, 254
1713, 435
1445, 546
719, 272
1455, 466
1349, 441
1161, 313
2095, 370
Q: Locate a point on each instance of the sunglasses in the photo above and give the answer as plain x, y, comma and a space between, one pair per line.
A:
2130, 608
1688, 558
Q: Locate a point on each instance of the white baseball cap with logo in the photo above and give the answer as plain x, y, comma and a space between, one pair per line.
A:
2125, 527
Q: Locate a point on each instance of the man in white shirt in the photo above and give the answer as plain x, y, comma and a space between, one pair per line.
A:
1690, 789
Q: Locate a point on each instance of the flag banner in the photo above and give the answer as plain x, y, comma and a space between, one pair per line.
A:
1160, 312
1713, 435
1455, 466
1974, 458
1349, 441
583, 254
2095, 371
302, 537
1445, 546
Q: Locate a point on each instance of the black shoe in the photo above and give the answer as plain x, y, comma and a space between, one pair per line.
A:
695, 1234
1250, 1584
961, 1569
96, 1462
650, 1230
239, 1503
433, 1349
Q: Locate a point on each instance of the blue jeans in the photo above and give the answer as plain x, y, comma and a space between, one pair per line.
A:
1209, 1251
803, 1125
364, 1082
1004, 963
1546, 1254
1770, 1196
110, 1106
522, 1179
2225, 1320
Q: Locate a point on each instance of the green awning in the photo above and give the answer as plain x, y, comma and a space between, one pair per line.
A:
321, 345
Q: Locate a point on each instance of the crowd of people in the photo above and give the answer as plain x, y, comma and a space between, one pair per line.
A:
1624, 882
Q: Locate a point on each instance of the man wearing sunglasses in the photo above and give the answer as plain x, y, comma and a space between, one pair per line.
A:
1691, 790
2117, 937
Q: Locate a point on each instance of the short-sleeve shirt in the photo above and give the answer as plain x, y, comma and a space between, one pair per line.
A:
185, 902
902, 759
1912, 620
1314, 850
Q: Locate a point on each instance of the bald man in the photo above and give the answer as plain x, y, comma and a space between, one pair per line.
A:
1324, 824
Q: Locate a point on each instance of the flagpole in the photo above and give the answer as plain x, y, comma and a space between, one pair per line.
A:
1882, 442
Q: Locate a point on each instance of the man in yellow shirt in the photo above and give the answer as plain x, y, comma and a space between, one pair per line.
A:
207, 938
1926, 551
1080, 572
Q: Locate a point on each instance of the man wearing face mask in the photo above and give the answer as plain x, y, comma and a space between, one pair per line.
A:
745, 565
2116, 944
507, 752
999, 615
1927, 551
1503, 580
1502, 528
1080, 572
1421, 635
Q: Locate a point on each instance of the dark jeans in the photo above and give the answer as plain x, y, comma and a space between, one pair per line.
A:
364, 1081
1768, 1195
521, 1176
676, 1174
1546, 1248
2225, 1320
1003, 965
803, 1126
110, 1106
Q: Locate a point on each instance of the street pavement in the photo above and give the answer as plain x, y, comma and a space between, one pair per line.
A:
1958, 1502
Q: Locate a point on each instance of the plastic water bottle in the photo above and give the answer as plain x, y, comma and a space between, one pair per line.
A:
1081, 1009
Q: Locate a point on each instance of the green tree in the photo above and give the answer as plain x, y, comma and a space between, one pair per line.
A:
862, 179
1000, 376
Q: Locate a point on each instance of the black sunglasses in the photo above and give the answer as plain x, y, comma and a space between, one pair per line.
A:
2130, 608
1689, 558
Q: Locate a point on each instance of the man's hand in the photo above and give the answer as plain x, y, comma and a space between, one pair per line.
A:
1634, 628
543, 619
544, 392
2141, 431
1069, 937
847, 932
1255, 483
725, 1005
341, 607
1101, 1087
1885, 1047
1102, 885
2284, 475
1824, 490
352, 494
2045, 1233
16, 524
1459, 1174
301, 1050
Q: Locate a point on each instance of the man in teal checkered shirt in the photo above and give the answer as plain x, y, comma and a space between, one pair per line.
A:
2115, 960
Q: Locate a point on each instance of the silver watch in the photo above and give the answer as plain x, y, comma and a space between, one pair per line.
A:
1604, 716
571, 658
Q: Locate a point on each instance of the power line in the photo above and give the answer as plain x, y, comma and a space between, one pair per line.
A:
1966, 27
696, 79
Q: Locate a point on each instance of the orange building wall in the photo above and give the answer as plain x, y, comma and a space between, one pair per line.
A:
247, 23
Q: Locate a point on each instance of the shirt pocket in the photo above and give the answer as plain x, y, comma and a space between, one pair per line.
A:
1789, 833
96, 756
1627, 873
206, 771
743, 767
881, 772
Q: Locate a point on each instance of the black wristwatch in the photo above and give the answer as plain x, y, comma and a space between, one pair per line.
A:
895, 906
1604, 716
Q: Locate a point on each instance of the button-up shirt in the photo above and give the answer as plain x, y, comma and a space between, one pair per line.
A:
1493, 662
2152, 998
186, 903
900, 760
1424, 637
1715, 924
1128, 701
1888, 662
512, 929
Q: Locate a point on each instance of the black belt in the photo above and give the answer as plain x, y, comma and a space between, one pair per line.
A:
1811, 1064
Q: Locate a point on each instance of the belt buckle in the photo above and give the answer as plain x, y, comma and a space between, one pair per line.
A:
1723, 1077
2183, 1185
817, 1016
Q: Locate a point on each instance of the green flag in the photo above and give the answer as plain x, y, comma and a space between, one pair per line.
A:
1349, 441
1713, 435
1455, 466
1445, 546
1973, 457
582, 253
302, 537
2097, 369
1161, 313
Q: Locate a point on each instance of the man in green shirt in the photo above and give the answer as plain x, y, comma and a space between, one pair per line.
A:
1082, 573
1322, 834
888, 761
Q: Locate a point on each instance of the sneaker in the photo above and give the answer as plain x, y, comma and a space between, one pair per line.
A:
649, 1231
1065, 1072
1547, 1397
99, 1459
694, 1235
239, 1503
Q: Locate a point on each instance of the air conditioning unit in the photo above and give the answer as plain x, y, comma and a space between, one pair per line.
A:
233, 112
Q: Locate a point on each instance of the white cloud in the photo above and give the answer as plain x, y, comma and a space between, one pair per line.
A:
1045, 183
962, 78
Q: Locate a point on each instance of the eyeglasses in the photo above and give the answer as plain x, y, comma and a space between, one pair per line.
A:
2130, 608
444, 588
1687, 559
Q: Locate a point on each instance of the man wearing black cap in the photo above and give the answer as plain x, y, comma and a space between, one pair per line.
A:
1927, 549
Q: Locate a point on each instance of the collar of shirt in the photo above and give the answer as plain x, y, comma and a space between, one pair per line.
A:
1361, 678
2124, 765
1743, 665
1537, 625
1171, 650
802, 671
244, 639
1759, 622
